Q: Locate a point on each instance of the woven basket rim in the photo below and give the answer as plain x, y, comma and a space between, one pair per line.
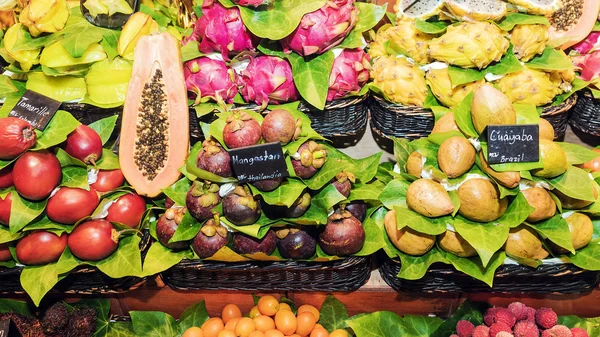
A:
553, 110
289, 264
340, 103
406, 109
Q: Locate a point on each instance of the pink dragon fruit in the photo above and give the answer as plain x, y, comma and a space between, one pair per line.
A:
252, 3
210, 79
221, 30
323, 29
349, 73
590, 43
590, 67
268, 80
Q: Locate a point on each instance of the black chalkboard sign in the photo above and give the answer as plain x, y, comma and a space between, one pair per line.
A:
8, 329
513, 143
36, 109
258, 162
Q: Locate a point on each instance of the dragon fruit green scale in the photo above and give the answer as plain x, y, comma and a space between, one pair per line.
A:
349, 73
210, 79
470, 45
323, 29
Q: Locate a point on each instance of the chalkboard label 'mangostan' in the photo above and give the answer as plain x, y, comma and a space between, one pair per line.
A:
259, 162
36, 109
513, 143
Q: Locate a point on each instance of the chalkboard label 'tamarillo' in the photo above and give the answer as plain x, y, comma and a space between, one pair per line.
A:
259, 162
513, 143
36, 109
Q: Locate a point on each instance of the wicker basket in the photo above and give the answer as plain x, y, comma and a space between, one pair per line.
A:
547, 279
558, 116
585, 117
341, 275
400, 121
84, 280
343, 121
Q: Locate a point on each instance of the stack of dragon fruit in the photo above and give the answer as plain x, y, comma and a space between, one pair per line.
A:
232, 64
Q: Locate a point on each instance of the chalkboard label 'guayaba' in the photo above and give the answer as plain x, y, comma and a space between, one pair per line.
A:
513, 143
259, 162
36, 109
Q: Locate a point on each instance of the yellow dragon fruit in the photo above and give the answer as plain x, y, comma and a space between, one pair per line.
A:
404, 35
441, 85
400, 80
529, 40
529, 86
470, 45
564, 78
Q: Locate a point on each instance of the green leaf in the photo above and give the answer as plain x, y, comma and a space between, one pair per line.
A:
193, 316
109, 161
368, 16
526, 114
473, 267
394, 194
257, 230
190, 51
23, 212
328, 197
38, 280
118, 329
577, 154
75, 177
487, 239
408, 218
389, 324
61, 125
365, 169
178, 191
7, 88
311, 77
48, 224
126, 261
550, 59
467, 311
191, 168
374, 240
574, 183
591, 325
513, 19
334, 164
364, 192
556, 230
67, 262
415, 267
434, 28
18, 307
66, 160
460, 76
105, 127
153, 324
187, 229
333, 314
160, 258
7, 236
587, 258
517, 212
462, 114
402, 150
285, 195
508, 64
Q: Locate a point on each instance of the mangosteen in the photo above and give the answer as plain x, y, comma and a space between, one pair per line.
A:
214, 159
358, 209
299, 207
241, 130
169, 202
167, 226
280, 126
343, 235
245, 244
201, 199
240, 207
343, 182
212, 237
268, 185
295, 243
312, 158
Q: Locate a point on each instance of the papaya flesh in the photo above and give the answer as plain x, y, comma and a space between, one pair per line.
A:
155, 129
564, 34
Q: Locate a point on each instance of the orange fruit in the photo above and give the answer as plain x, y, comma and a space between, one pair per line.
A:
305, 323
319, 332
284, 306
193, 332
254, 312
319, 326
256, 333
285, 321
212, 327
339, 333
294, 335
268, 305
230, 311
245, 327
264, 323
274, 333
232, 323
226, 333
311, 309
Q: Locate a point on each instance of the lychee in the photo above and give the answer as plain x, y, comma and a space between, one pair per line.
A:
557, 331
499, 327
526, 329
519, 310
530, 314
504, 334
464, 328
481, 331
454, 335
546, 318
579, 332
498, 314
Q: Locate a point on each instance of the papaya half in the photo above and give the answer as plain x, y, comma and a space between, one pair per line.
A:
155, 128
573, 22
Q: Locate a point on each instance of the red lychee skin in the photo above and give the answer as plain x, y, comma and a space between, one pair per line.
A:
530, 314
519, 310
488, 316
498, 314
498, 327
464, 328
546, 318
557, 331
481, 331
579, 332
504, 334
453, 335
526, 329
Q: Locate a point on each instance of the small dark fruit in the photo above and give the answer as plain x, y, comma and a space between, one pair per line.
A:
36, 174
280, 126
343, 235
343, 182
214, 159
295, 243
167, 226
240, 207
268, 185
201, 199
69, 205
108, 180
128, 209
16, 137
241, 130
245, 244
5, 253
84, 144
312, 158
40, 248
212, 237
5, 205
299, 207
358, 209
94, 240
169, 202
6, 177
